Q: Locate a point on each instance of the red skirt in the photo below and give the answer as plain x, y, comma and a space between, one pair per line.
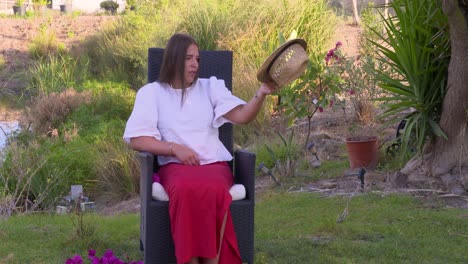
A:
198, 202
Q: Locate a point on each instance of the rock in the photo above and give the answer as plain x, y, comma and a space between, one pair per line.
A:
315, 163
398, 180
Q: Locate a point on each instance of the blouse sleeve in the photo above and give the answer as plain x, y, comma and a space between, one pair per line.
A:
144, 118
222, 100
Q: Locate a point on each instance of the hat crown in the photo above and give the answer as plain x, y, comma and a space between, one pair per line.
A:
285, 64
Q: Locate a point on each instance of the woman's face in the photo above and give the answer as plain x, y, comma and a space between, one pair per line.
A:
191, 65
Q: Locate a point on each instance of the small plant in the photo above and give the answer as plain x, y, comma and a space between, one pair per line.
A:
2, 62
45, 44
56, 74
286, 161
109, 6
19, 2
40, 2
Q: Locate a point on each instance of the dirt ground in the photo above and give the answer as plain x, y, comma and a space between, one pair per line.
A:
17, 34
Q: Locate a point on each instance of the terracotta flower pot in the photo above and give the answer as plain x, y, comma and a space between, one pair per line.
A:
362, 152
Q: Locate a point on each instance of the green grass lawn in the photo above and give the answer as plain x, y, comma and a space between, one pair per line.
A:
290, 228
303, 228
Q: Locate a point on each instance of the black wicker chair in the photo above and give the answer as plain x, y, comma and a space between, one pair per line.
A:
155, 230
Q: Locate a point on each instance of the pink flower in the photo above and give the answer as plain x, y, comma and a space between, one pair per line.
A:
91, 253
331, 103
338, 44
320, 109
75, 260
351, 92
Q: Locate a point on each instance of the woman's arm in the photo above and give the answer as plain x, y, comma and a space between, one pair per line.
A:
186, 155
243, 114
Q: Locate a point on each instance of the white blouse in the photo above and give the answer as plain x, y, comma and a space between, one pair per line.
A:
158, 112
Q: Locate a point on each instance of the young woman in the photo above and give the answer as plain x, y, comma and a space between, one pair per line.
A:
177, 118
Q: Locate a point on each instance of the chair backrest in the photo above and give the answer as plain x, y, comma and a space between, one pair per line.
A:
216, 63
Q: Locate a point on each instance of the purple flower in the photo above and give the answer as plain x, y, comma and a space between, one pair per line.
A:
91, 253
338, 44
75, 260
108, 253
107, 258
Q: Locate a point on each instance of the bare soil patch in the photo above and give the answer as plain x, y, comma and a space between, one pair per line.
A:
16, 36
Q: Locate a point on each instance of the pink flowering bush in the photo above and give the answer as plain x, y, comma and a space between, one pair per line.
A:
357, 82
107, 258
311, 93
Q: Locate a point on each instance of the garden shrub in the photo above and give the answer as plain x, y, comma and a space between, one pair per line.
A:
56, 74
45, 44
120, 51
47, 112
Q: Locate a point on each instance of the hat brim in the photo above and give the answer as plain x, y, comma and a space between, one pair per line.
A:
262, 74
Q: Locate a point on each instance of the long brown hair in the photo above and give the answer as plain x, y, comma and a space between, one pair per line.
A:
173, 64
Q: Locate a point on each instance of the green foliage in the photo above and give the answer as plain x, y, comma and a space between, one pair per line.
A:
117, 169
56, 74
40, 2
416, 46
205, 22
82, 146
109, 5
2, 62
119, 53
282, 155
310, 93
19, 2
41, 171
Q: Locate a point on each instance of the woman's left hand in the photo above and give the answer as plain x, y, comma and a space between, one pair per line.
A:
267, 88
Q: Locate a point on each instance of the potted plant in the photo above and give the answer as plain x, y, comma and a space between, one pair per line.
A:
19, 8
109, 6
66, 7
362, 147
40, 6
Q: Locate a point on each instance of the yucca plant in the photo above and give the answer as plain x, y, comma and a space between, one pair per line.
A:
415, 47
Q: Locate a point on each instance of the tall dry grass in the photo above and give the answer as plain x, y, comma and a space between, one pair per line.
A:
47, 112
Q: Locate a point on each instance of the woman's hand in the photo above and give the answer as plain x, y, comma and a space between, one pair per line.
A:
186, 155
267, 88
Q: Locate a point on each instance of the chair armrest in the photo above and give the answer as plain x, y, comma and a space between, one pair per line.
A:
244, 171
146, 160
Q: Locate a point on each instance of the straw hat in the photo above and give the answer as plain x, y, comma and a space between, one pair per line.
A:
285, 64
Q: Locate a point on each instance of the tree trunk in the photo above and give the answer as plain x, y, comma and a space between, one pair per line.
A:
356, 13
447, 160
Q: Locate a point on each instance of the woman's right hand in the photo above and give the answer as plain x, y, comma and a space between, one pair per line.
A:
186, 155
